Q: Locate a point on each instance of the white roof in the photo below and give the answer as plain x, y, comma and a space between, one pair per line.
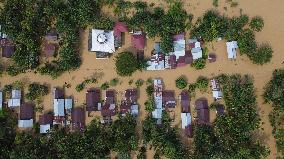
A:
1, 100
197, 44
157, 114
25, 123
134, 109
44, 128
217, 94
155, 64
196, 53
102, 41
179, 48
16, 94
68, 103
14, 102
232, 49
185, 119
58, 107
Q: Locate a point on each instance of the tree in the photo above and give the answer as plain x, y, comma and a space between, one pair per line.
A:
181, 82
139, 83
198, 64
202, 83
150, 104
126, 64
256, 23
247, 43
36, 90
263, 54
149, 90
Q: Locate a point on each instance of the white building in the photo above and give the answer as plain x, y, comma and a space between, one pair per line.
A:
232, 49
185, 120
102, 41
15, 101
25, 123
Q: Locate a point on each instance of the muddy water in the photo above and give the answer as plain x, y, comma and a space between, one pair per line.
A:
273, 33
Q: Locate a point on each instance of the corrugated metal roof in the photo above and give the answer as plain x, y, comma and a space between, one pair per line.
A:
25, 123
58, 107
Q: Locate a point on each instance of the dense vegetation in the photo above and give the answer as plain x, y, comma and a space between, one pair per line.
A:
273, 94
36, 90
181, 82
126, 64
213, 25
96, 142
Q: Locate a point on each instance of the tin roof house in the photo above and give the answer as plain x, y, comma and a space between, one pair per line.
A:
201, 106
51, 35
138, 40
26, 118
62, 106
216, 90
186, 119
232, 49
184, 101
108, 109
93, 100
78, 119
118, 29
196, 49
178, 57
169, 100
45, 123
101, 42
15, 100
157, 60
158, 99
1, 100
129, 103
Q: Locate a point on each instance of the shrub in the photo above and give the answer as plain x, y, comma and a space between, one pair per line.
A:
149, 81
202, 83
256, 23
114, 82
262, 55
139, 83
150, 90
80, 87
191, 87
105, 86
247, 43
199, 64
36, 91
130, 82
126, 64
215, 3
150, 104
181, 82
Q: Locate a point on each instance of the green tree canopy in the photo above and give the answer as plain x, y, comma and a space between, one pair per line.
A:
126, 64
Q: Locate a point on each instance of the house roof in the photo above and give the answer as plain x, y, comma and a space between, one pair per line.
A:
102, 55
188, 57
108, 110
78, 118
125, 107
138, 41
156, 62
26, 111
157, 113
51, 35
131, 95
172, 61
220, 109
43, 129
196, 53
45, 119
232, 49
16, 94
68, 103
58, 93
188, 130
49, 49
25, 123
201, 105
185, 120
8, 51
1, 100
119, 28
185, 101
134, 109
169, 99
59, 107
93, 98
14, 103
179, 36
102, 41
110, 95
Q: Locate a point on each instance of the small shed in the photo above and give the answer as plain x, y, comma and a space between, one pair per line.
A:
58, 93
201, 106
51, 35
45, 123
185, 120
138, 41
169, 99
232, 49
196, 53
212, 57
59, 107
49, 49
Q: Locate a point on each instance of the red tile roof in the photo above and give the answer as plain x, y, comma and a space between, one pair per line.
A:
138, 41
78, 118
119, 28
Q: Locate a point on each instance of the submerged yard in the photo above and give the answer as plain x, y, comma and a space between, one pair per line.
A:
104, 70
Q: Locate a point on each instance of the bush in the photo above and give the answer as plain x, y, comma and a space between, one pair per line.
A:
80, 87
262, 55
114, 82
36, 91
150, 90
126, 64
199, 64
105, 86
191, 87
181, 82
139, 83
202, 83
247, 43
150, 104
256, 23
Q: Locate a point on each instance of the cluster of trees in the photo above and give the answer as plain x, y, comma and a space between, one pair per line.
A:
36, 90
96, 142
126, 64
273, 94
213, 25
83, 84
181, 82
26, 22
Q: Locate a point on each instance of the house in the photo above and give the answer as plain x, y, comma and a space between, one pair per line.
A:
108, 109
93, 98
232, 49
58, 93
186, 124
59, 111
8, 48
1, 100
49, 49
216, 90
26, 119
78, 119
45, 123
15, 100
196, 49
220, 110
68, 104
184, 101
101, 42
158, 99
201, 106
51, 35
128, 105
156, 62
138, 40
118, 29
169, 99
